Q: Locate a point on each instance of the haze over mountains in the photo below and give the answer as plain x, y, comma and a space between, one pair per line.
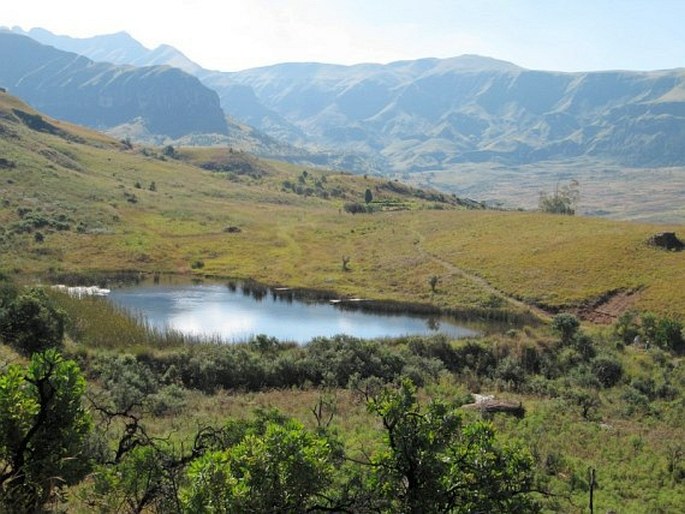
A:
101, 95
434, 114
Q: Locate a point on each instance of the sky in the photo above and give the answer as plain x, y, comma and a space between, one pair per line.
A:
232, 35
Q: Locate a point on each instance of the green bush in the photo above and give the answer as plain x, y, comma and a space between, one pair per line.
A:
30, 322
126, 381
283, 469
607, 370
566, 325
669, 335
43, 426
341, 357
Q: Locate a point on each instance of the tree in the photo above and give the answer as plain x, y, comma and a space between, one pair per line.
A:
368, 196
280, 470
566, 325
669, 335
562, 201
42, 429
169, 151
434, 464
31, 322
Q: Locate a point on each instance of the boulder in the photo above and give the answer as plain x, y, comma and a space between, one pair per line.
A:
667, 241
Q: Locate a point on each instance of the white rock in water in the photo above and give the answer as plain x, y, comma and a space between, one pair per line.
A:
81, 291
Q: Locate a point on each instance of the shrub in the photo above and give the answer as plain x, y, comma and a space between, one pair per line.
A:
127, 381
626, 327
341, 357
511, 373
31, 322
607, 370
283, 469
582, 343
476, 357
566, 325
43, 426
355, 208
562, 201
669, 335
634, 401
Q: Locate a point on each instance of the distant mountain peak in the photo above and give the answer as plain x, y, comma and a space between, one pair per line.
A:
103, 95
479, 62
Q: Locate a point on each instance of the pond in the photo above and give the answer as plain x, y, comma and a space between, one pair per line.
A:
237, 313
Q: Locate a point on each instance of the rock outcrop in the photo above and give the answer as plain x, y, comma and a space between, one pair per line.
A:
667, 241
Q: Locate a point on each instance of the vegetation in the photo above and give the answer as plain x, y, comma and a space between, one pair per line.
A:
29, 321
296, 239
43, 427
133, 419
146, 451
562, 201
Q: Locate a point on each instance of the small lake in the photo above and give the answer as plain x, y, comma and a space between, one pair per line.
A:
235, 314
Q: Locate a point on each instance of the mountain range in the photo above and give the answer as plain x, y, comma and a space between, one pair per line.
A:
102, 95
436, 114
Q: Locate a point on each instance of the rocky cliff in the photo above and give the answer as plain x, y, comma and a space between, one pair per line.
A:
101, 95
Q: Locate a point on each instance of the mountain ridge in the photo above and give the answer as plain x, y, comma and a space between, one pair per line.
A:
436, 114
72, 87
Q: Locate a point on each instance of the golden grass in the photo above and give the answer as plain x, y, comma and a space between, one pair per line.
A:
299, 241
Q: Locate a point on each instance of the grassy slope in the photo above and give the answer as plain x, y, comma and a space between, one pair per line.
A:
299, 241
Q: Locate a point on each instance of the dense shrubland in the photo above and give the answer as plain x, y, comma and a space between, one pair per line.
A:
610, 399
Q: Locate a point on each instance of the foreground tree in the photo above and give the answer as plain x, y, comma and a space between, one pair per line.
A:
42, 429
435, 464
282, 469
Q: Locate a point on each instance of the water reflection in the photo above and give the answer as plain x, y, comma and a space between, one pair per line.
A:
238, 312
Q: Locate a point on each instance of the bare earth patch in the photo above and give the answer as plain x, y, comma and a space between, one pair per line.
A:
607, 310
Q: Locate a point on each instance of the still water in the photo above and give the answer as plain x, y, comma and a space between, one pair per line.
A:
236, 314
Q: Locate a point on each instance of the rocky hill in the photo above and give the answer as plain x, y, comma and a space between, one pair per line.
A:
432, 114
65, 85
435, 114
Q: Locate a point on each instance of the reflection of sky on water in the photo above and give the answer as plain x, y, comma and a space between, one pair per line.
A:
234, 316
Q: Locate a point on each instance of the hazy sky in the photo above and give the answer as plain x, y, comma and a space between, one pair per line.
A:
229, 35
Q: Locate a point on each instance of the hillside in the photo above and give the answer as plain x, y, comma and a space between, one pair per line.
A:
99, 205
67, 86
436, 114
76, 205
433, 114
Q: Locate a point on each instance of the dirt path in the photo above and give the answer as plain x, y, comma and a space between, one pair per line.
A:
480, 281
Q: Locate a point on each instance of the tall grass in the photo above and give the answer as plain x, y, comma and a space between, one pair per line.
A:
97, 323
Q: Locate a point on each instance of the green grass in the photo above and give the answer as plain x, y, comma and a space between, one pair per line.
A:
630, 445
299, 240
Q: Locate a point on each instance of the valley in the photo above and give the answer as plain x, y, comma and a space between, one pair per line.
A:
651, 195
580, 371
475, 126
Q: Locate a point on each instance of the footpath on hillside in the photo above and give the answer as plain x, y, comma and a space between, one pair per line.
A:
452, 269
